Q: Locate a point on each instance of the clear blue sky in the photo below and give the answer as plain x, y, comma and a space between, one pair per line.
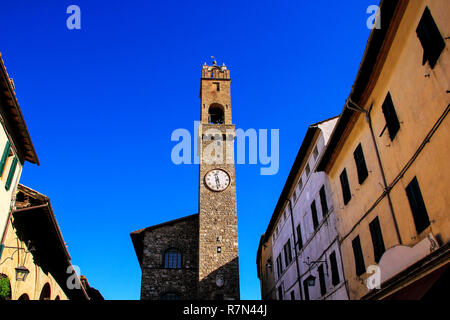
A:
101, 104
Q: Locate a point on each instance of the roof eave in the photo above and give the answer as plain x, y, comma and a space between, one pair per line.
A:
390, 10
22, 139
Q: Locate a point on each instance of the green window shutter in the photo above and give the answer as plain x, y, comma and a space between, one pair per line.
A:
4, 157
11, 173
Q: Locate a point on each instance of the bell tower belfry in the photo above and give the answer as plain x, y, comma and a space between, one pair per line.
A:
218, 238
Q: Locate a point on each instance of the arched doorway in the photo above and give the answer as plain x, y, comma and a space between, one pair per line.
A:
24, 297
45, 293
216, 114
5, 287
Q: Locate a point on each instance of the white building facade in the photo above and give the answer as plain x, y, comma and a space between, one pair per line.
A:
305, 246
15, 148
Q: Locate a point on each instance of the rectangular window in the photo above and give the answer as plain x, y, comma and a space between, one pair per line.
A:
279, 266
315, 153
292, 295
359, 258
5, 156
300, 184
377, 239
287, 252
172, 259
299, 237
323, 201
295, 194
419, 211
314, 215
334, 269
12, 171
392, 123
323, 288
431, 39
360, 164
280, 293
345, 187
306, 289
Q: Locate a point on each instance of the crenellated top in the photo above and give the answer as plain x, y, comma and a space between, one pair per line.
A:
215, 71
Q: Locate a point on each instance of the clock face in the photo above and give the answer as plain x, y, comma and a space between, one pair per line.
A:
217, 180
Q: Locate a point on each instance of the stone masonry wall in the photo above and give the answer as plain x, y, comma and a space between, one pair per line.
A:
156, 280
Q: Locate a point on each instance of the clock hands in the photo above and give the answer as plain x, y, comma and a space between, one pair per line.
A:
217, 180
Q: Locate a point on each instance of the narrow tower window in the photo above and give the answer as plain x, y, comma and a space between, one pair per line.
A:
215, 114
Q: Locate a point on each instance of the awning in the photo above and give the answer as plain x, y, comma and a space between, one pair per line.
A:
427, 287
425, 279
37, 225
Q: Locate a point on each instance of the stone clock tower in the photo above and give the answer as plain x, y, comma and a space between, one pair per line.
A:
218, 238
195, 257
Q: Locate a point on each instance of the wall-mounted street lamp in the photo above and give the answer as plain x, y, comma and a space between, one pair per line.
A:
311, 280
21, 271
269, 264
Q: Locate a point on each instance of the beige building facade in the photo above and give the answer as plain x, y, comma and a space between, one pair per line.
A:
43, 254
388, 157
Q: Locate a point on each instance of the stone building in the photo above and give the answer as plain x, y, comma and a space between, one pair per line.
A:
196, 257
169, 252
305, 258
387, 158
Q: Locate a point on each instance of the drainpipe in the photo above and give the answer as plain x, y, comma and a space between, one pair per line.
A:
295, 250
387, 190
